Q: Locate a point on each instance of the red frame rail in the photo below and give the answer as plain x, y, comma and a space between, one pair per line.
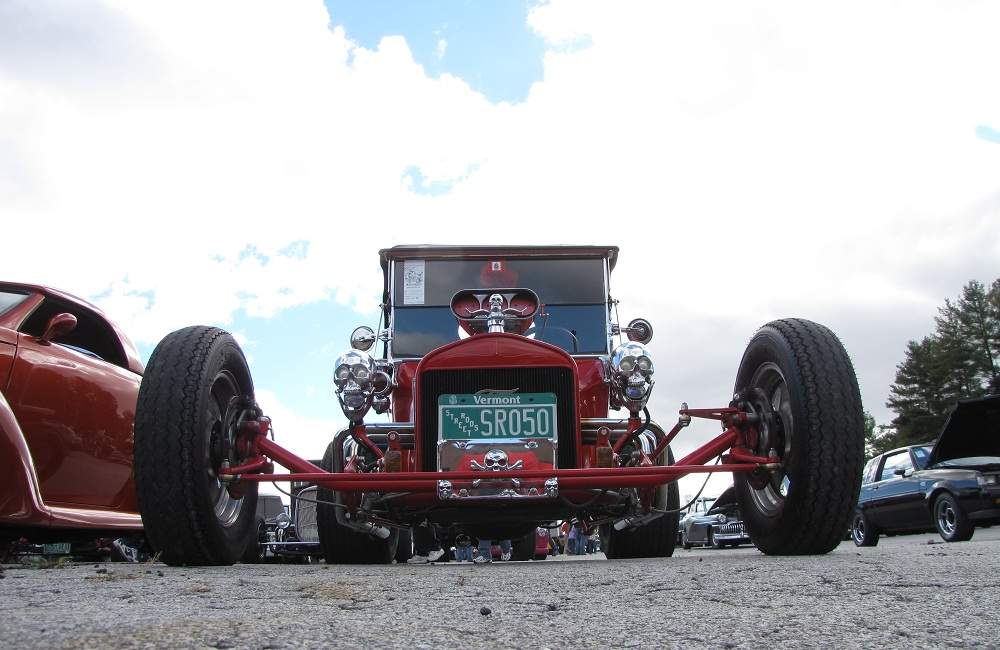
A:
260, 467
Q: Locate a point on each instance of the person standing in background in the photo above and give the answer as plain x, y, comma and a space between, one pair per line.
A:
463, 548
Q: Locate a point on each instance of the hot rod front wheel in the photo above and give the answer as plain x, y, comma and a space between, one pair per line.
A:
340, 544
195, 392
797, 376
655, 539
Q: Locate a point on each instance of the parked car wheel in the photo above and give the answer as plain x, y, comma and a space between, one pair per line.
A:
655, 539
523, 549
193, 396
255, 550
714, 543
800, 371
340, 544
863, 532
404, 546
951, 521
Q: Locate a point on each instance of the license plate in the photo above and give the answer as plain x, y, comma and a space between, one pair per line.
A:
497, 416
56, 549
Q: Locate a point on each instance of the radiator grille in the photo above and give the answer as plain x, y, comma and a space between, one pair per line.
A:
433, 383
305, 516
732, 529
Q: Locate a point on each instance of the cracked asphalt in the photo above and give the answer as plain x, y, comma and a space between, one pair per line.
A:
912, 591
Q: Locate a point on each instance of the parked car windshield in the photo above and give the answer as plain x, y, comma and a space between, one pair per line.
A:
9, 299
702, 506
871, 468
573, 313
921, 454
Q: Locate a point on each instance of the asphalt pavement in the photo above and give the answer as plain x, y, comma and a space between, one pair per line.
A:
912, 591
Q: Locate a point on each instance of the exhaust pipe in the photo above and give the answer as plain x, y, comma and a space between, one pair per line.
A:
636, 522
344, 519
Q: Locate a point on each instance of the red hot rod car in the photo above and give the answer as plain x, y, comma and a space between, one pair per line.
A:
499, 367
69, 380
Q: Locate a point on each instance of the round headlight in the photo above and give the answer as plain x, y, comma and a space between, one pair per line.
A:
630, 356
721, 518
283, 520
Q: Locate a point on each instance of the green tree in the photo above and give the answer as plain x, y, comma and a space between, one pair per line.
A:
872, 441
978, 316
960, 360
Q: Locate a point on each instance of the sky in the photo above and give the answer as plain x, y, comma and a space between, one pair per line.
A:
240, 164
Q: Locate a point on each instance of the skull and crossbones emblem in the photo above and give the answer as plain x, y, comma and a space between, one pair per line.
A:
495, 460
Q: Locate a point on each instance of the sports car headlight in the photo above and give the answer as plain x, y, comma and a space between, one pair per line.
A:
987, 480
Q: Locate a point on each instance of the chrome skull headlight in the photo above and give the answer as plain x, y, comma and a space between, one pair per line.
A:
353, 375
632, 375
354, 366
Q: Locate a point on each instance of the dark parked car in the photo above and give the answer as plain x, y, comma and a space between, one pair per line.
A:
271, 515
950, 485
721, 526
69, 380
287, 532
295, 536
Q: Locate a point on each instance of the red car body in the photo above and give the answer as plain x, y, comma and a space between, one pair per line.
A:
499, 366
68, 389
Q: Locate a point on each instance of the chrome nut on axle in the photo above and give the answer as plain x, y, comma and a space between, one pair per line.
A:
684, 418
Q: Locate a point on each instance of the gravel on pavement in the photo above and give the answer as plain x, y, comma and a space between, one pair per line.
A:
910, 591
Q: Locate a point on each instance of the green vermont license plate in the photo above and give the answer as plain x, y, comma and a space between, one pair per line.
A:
497, 416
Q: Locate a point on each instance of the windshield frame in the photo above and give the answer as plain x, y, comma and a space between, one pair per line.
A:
388, 352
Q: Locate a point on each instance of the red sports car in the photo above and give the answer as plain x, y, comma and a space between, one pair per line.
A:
69, 379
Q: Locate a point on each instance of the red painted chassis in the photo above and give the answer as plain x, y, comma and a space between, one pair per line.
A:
738, 437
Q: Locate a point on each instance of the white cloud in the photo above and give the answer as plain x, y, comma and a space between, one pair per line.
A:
752, 161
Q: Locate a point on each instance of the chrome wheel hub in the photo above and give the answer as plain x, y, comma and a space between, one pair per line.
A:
775, 408
859, 529
947, 518
222, 421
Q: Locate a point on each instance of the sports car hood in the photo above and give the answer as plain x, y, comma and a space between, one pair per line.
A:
972, 429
